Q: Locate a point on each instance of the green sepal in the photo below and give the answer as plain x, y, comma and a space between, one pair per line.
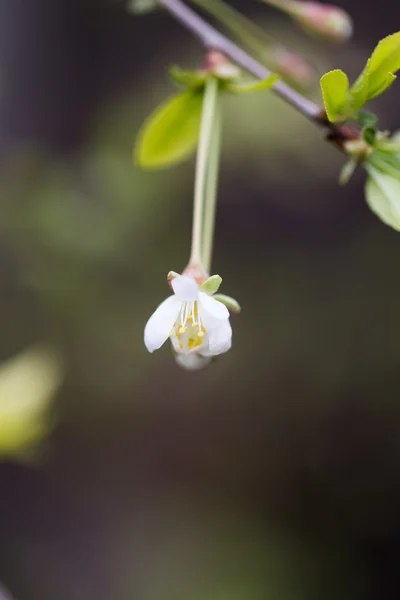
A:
230, 303
141, 7
171, 275
257, 86
189, 78
170, 134
211, 285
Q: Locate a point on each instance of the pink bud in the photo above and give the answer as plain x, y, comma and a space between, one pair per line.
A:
324, 20
295, 69
215, 62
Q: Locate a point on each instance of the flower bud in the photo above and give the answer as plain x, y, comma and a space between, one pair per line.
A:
358, 149
215, 62
325, 20
292, 67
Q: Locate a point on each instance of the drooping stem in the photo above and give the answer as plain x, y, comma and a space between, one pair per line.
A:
211, 38
211, 189
202, 162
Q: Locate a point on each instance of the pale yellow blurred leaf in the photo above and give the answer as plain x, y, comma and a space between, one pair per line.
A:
28, 383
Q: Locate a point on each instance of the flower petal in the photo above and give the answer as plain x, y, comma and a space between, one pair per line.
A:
215, 309
185, 288
192, 362
219, 339
159, 326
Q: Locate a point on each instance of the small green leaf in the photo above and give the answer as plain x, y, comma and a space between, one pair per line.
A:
170, 134
365, 117
382, 193
256, 86
141, 7
378, 73
211, 285
230, 303
369, 135
334, 87
384, 62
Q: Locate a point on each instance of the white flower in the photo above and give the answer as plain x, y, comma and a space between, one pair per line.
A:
196, 323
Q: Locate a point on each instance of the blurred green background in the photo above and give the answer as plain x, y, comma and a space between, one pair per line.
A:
275, 473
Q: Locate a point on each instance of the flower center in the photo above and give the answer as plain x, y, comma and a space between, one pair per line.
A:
188, 331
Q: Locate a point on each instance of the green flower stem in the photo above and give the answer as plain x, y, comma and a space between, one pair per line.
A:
211, 189
203, 152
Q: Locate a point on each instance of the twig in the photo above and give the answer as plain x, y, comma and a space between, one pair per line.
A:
212, 39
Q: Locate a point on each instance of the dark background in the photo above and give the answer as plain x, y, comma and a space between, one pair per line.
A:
275, 473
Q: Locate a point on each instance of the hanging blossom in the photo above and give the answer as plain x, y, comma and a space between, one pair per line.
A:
196, 323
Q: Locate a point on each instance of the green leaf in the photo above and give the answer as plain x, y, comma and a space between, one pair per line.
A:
358, 93
369, 135
365, 117
387, 146
334, 87
141, 7
378, 73
211, 285
27, 384
386, 162
256, 86
382, 193
384, 62
170, 134
390, 78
